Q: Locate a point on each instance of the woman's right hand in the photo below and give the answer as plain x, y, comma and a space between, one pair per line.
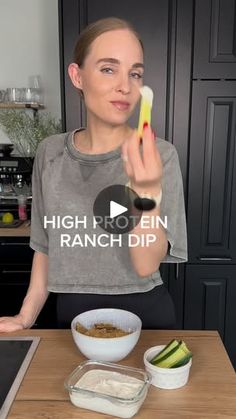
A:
11, 324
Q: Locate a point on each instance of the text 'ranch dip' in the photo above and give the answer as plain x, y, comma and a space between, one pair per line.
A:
112, 384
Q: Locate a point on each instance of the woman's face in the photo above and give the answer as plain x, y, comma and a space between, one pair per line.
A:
111, 76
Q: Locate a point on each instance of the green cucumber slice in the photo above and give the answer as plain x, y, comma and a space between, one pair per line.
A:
171, 345
177, 354
182, 361
184, 347
167, 356
171, 358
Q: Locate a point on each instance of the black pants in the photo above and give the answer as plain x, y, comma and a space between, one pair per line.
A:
155, 307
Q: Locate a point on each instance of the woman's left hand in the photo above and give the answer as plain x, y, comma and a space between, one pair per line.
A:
144, 169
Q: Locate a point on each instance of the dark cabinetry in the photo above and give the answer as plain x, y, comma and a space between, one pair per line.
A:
14, 280
15, 269
214, 46
210, 296
210, 283
212, 174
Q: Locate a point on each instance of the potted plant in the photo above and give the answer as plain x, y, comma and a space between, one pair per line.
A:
25, 131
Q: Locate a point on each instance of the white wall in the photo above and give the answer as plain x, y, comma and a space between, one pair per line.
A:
29, 45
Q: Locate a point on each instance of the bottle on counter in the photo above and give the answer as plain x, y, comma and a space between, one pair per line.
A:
22, 213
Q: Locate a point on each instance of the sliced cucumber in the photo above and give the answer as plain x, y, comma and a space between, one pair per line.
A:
168, 355
173, 355
171, 345
183, 361
178, 353
184, 347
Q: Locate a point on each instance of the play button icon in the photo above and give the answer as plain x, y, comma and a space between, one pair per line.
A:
114, 209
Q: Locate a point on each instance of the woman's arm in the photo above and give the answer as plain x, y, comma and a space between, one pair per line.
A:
144, 169
146, 259
34, 300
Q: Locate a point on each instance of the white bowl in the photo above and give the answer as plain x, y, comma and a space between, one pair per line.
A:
168, 378
107, 349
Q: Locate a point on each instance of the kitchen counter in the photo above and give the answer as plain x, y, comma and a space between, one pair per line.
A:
22, 231
210, 392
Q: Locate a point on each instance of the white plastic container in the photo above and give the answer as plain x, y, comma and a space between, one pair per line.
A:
168, 378
111, 389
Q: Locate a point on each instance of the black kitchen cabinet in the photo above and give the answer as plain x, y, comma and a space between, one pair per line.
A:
210, 293
190, 53
212, 173
15, 250
173, 279
14, 280
214, 44
15, 269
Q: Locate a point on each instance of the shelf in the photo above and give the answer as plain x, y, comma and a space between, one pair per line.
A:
14, 105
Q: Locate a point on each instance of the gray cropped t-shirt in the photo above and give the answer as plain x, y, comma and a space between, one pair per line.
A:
66, 182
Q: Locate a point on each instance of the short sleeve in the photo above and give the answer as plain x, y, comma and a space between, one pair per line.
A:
173, 207
38, 236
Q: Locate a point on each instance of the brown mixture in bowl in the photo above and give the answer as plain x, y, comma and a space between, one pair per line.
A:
101, 330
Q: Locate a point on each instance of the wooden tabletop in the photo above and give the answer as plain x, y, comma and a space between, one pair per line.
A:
210, 392
22, 231
21, 105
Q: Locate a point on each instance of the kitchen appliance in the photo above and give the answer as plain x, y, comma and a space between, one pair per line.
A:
16, 354
15, 180
6, 149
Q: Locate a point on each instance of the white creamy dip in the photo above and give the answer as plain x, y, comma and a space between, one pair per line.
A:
109, 383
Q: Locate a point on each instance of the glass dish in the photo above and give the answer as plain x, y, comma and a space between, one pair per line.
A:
122, 389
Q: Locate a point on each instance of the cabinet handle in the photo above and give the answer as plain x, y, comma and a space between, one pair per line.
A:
176, 271
15, 244
214, 258
15, 272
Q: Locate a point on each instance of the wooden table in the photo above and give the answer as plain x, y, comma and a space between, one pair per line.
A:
210, 392
22, 231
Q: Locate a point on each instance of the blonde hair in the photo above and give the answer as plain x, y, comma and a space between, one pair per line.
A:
92, 31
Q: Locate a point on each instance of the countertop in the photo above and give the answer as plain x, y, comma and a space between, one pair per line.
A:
21, 231
210, 392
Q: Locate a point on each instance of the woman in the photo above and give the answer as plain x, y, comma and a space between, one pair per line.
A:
71, 169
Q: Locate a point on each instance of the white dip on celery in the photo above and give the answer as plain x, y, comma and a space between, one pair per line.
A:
108, 383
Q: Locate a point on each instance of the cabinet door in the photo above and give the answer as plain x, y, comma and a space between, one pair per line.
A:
212, 174
214, 45
15, 250
210, 293
14, 282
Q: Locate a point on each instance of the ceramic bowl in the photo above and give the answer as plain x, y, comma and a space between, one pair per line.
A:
107, 349
168, 378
